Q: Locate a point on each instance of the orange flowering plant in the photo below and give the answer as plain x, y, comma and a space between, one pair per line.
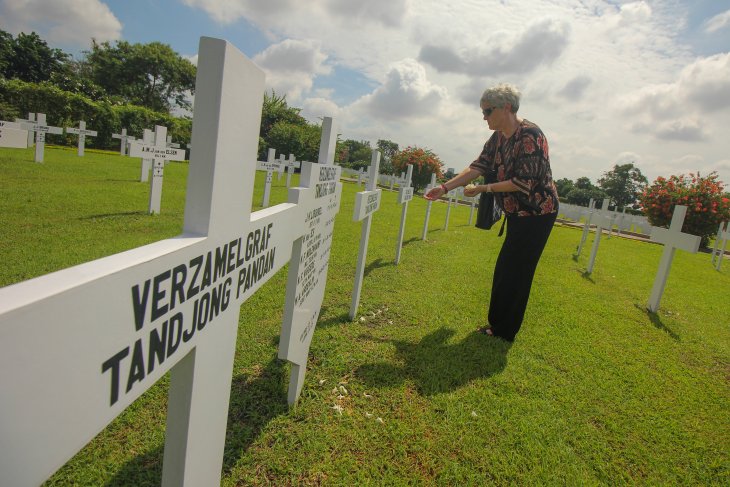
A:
707, 203
424, 164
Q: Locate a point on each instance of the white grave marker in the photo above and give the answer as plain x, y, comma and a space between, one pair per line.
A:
310, 255
124, 139
13, 135
80, 345
719, 240
405, 194
724, 236
159, 154
270, 165
432, 184
673, 239
25, 123
601, 220
451, 196
291, 164
82, 132
586, 226
473, 203
148, 139
170, 143
40, 128
366, 203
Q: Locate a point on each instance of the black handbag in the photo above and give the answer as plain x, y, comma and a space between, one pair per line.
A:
488, 213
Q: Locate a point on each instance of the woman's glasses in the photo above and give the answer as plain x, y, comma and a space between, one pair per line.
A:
488, 111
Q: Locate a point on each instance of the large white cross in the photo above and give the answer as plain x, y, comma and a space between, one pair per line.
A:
405, 194
82, 132
310, 255
80, 345
40, 128
158, 153
366, 203
673, 239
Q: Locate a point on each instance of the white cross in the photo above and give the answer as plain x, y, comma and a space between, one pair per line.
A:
82, 133
405, 194
451, 196
80, 345
26, 121
724, 236
432, 184
124, 139
310, 255
673, 239
170, 143
601, 219
270, 165
291, 164
148, 139
159, 153
40, 128
587, 226
719, 240
366, 203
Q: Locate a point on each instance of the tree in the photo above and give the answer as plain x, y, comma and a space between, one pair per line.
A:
424, 164
582, 192
623, 184
564, 186
275, 109
388, 149
300, 140
707, 204
151, 75
356, 153
28, 58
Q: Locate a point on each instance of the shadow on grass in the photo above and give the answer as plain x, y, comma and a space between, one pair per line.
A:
113, 215
411, 240
376, 264
255, 401
657, 322
587, 276
436, 366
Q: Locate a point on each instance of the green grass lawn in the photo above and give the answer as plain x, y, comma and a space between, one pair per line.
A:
594, 391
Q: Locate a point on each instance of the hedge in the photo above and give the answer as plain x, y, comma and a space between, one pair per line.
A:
65, 109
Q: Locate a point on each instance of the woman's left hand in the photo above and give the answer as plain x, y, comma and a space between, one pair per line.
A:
472, 190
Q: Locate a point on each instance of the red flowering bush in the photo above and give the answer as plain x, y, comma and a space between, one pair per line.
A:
424, 164
707, 204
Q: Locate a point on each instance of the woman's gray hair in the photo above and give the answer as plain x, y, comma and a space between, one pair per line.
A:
498, 96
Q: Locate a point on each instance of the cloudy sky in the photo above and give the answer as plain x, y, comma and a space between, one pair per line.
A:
609, 81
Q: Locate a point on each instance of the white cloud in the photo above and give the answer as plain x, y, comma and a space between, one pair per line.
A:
229, 11
719, 21
540, 43
61, 22
406, 93
292, 65
316, 107
388, 12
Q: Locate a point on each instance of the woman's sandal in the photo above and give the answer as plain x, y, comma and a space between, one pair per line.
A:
485, 330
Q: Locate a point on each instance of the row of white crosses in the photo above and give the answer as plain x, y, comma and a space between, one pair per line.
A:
82, 133
672, 239
80, 345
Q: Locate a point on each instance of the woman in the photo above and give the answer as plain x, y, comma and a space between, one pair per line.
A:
518, 152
